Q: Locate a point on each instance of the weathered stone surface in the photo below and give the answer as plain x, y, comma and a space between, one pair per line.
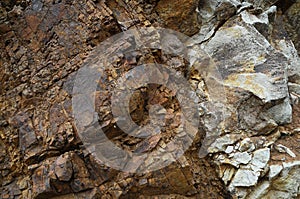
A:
26, 132
283, 149
260, 190
281, 113
91, 194
63, 168
223, 142
244, 178
255, 150
184, 19
261, 4
260, 159
246, 66
41, 181
295, 88
255, 74
285, 185
246, 145
243, 158
293, 15
274, 170
226, 173
212, 15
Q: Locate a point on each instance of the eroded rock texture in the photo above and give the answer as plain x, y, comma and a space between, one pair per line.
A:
252, 153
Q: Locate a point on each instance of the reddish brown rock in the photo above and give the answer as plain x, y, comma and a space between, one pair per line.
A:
179, 15
63, 168
43, 44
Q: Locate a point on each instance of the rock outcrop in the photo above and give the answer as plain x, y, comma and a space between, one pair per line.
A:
247, 145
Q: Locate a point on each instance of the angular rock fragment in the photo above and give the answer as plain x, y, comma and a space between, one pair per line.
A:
41, 181
283, 149
44, 42
274, 171
287, 182
221, 143
63, 168
226, 173
260, 159
246, 145
243, 158
244, 178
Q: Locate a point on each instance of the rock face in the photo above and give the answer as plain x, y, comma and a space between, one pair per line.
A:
247, 145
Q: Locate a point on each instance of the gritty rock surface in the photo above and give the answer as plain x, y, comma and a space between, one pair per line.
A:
248, 142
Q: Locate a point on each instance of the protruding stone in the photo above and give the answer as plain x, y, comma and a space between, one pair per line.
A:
212, 13
243, 158
229, 149
221, 143
226, 173
288, 165
289, 180
41, 181
274, 171
283, 149
294, 88
281, 113
244, 178
260, 159
63, 168
246, 145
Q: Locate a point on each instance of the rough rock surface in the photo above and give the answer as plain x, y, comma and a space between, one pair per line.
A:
252, 152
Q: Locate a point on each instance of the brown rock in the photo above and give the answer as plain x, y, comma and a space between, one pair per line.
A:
63, 168
179, 15
44, 43
41, 181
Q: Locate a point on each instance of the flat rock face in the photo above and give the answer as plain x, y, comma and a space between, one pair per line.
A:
244, 178
247, 145
248, 62
260, 159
